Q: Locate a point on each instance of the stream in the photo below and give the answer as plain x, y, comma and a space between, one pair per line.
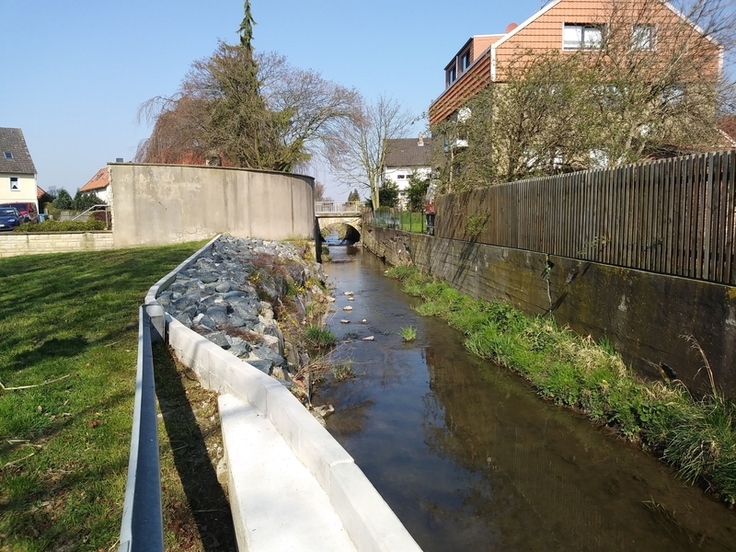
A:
469, 458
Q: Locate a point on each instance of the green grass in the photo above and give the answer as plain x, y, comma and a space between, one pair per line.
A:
408, 333
412, 222
342, 371
695, 436
318, 339
68, 329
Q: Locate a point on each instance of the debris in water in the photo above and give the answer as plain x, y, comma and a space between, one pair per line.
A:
364, 321
324, 410
349, 293
348, 308
369, 338
343, 321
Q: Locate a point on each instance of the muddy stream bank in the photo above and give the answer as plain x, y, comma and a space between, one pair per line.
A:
470, 458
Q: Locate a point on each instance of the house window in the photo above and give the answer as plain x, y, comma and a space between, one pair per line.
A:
14, 186
401, 176
581, 35
451, 75
8, 155
465, 61
643, 37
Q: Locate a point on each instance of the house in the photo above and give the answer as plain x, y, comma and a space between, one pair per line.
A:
17, 171
99, 185
404, 157
569, 26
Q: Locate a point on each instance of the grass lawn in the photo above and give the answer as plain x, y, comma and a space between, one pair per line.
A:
68, 340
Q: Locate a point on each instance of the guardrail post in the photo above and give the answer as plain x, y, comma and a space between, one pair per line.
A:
157, 318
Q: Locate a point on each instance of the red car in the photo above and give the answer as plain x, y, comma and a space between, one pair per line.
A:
27, 210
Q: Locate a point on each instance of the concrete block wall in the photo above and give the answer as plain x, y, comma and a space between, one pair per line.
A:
368, 520
32, 243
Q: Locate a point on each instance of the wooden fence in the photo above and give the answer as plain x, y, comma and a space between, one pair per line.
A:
674, 216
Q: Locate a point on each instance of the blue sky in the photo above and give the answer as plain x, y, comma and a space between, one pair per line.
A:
74, 73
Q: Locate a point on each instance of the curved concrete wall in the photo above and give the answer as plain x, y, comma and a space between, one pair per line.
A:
162, 204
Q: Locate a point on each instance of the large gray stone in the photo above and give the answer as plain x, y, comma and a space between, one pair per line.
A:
219, 339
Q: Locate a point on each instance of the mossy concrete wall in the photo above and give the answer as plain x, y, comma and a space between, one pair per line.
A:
644, 315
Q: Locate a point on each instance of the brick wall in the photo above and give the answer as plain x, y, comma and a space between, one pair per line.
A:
12, 244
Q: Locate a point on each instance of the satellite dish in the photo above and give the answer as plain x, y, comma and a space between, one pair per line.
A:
511, 27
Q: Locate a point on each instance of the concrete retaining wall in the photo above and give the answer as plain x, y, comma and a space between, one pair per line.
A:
643, 314
12, 244
368, 520
162, 204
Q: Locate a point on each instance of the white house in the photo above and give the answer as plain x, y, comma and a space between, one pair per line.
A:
17, 171
405, 156
99, 185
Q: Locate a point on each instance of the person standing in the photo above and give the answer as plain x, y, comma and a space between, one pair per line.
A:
429, 208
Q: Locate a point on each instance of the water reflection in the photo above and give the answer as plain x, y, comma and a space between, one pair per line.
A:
470, 459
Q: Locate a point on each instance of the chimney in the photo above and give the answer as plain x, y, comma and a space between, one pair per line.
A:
420, 142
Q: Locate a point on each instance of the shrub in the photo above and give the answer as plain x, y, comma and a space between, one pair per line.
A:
62, 226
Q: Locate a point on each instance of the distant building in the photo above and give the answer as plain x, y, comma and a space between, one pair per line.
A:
99, 185
404, 157
17, 171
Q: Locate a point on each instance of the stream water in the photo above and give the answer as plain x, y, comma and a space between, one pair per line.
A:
470, 458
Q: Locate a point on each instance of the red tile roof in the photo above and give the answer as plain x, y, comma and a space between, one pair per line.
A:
98, 182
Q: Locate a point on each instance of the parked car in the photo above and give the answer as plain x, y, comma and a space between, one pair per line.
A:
27, 210
9, 218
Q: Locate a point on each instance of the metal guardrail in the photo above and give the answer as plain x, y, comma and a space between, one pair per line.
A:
338, 207
142, 526
107, 213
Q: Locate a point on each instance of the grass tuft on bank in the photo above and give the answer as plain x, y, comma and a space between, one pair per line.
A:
68, 348
695, 436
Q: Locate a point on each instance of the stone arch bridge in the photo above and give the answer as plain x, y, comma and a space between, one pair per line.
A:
332, 214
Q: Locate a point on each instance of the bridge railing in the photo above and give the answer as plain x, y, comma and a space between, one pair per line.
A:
338, 207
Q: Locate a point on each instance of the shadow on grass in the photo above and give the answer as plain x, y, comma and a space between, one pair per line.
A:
208, 506
53, 347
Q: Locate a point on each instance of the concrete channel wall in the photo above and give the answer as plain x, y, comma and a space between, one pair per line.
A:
248, 394
644, 315
164, 204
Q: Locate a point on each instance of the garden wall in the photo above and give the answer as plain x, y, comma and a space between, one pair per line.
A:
12, 243
644, 315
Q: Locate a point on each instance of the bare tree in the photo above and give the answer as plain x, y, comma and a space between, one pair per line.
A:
357, 150
251, 110
310, 107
